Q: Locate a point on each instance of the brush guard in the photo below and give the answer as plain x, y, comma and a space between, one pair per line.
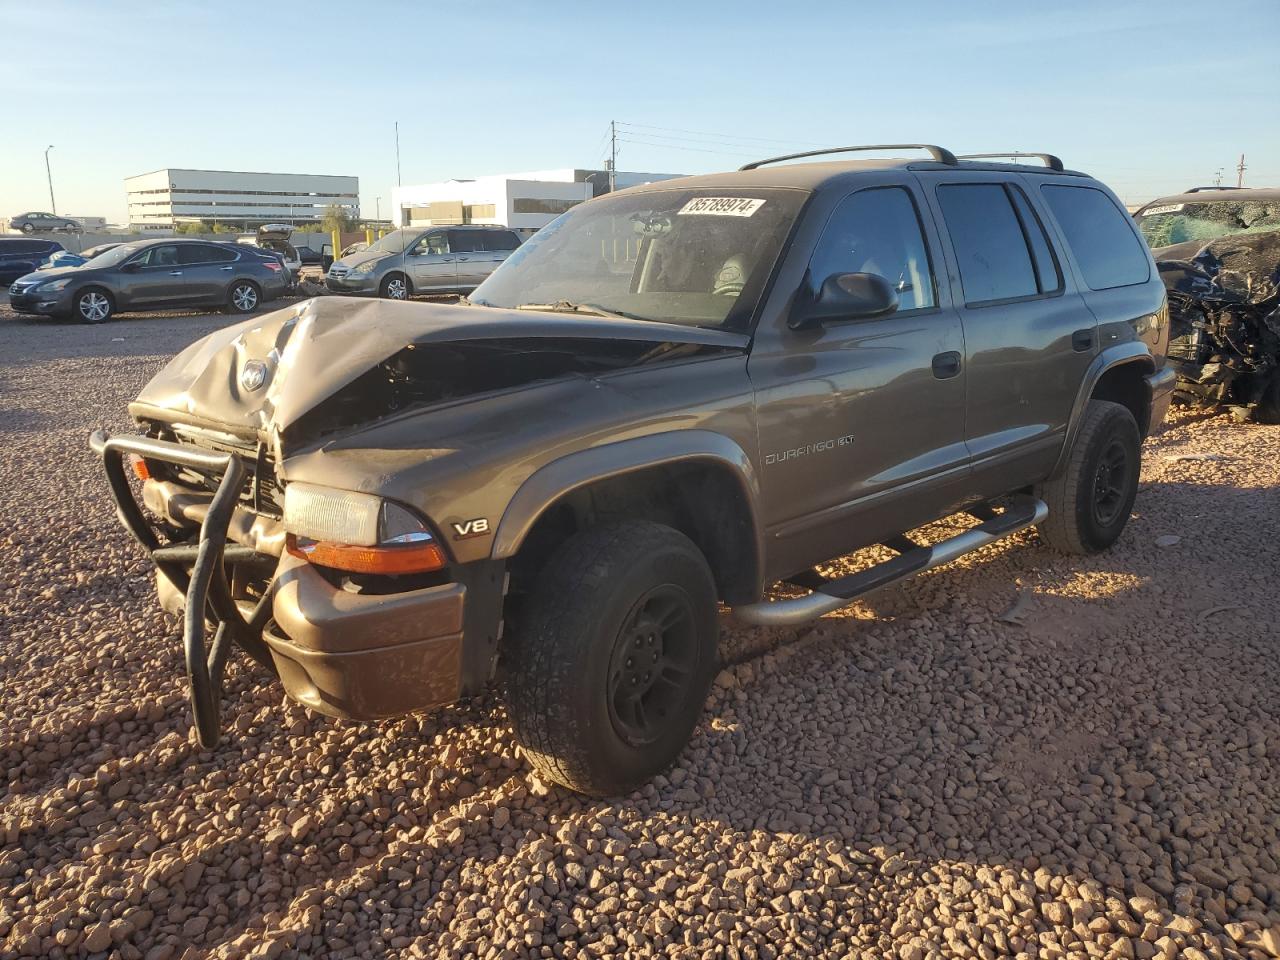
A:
198, 569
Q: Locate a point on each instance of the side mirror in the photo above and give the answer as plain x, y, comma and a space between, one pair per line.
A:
847, 296
133, 266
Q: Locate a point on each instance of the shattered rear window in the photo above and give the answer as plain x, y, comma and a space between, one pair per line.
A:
1179, 223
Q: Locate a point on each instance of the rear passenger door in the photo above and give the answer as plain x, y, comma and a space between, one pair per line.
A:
1028, 334
498, 245
471, 257
206, 271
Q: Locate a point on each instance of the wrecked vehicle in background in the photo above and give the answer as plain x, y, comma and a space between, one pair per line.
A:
1219, 257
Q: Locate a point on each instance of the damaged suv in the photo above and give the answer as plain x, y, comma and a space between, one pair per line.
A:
1218, 252
670, 399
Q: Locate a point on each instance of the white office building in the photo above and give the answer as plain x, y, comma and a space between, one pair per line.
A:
522, 200
163, 199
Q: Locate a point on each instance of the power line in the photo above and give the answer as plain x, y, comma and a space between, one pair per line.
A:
719, 136
672, 146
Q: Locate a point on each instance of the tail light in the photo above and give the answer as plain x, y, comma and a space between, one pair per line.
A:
272, 265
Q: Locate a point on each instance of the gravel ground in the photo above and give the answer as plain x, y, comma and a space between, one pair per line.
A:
1018, 755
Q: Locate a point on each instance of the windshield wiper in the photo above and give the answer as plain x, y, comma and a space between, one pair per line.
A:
568, 306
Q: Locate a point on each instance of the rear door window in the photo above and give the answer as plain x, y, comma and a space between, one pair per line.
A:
465, 241
1101, 237
1048, 273
500, 240
995, 261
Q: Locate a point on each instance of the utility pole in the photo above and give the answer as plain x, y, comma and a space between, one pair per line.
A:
377, 206
613, 155
49, 173
397, 153
1240, 169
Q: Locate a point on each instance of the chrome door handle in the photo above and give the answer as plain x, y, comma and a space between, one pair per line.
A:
175, 273
227, 269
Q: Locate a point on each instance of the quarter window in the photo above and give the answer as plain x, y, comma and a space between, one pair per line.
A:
1100, 236
995, 263
877, 231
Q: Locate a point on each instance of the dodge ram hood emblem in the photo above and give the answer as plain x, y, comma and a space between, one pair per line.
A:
253, 375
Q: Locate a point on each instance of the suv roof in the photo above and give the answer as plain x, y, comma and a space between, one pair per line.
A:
815, 174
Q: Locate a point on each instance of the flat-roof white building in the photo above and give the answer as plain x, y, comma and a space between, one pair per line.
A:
527, 200
164, 198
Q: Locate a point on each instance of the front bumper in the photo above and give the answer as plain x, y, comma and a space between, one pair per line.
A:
365, 657
32, 300
351, 283
349, 655
1159, 394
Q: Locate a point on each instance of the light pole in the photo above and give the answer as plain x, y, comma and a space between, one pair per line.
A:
49, 173
377, 206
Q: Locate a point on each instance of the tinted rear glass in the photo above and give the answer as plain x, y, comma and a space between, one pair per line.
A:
1100, 236
465, 241
994, 261
500, 240
14, 247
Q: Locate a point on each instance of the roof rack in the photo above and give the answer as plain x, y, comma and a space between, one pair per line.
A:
1050, 161
941, 154
1203, 189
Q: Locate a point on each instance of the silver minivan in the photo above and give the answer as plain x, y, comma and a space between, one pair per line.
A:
454, 259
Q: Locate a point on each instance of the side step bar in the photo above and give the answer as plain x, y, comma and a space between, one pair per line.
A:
1021, 512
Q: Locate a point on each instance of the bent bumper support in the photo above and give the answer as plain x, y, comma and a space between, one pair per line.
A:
1021, 512
198, 569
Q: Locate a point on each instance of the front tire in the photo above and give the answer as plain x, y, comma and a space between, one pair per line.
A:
395, 286
1090, 500
28, 228
615, 655
244, 297
94, 305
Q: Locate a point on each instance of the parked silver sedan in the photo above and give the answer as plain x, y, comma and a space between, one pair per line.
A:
453, 259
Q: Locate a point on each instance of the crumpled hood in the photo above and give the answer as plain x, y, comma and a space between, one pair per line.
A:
309, 351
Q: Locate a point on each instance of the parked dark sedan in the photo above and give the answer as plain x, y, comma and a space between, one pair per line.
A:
19, 256
153, 274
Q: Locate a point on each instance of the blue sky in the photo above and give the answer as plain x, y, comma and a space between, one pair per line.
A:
1151, 97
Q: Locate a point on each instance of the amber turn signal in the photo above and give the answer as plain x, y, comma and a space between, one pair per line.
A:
421, 557
141, 469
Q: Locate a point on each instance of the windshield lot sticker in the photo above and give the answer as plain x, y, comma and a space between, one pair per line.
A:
721, 207
1167, 208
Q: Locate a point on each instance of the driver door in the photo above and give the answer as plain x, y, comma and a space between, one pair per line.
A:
862, 422
432, 266
158, 277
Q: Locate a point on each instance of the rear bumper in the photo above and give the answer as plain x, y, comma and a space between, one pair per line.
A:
1159, 393
365, 657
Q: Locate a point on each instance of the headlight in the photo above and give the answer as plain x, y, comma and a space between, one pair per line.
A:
367, 267
357, 532
54, 286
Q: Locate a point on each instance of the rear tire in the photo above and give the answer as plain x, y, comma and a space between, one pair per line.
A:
1090, 500
93, 305
395, 286
616, 652
244, 297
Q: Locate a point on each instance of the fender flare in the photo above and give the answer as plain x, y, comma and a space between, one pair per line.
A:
1133, 352
553, 480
